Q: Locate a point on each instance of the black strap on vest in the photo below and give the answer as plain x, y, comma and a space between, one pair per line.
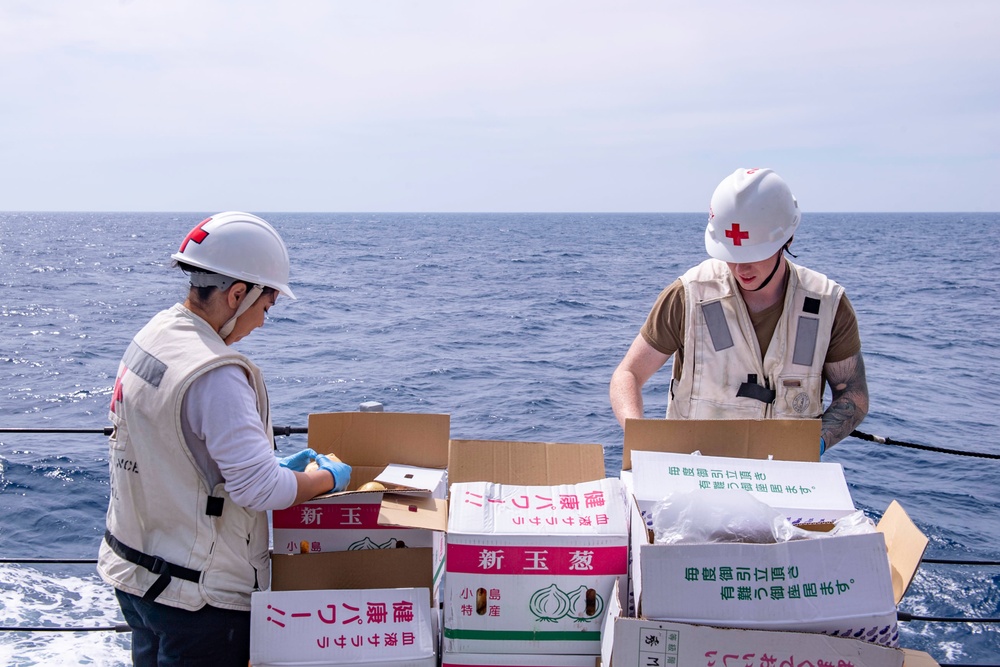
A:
154, 564
750, 389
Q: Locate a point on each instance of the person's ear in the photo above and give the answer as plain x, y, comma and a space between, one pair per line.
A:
235, 294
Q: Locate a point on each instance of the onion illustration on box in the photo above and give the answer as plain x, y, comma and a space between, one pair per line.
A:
530, 568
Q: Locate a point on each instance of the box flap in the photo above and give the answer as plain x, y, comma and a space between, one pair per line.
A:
807, 493
614, 610
376, 439
400, 477
524, 463
906, 546
413, 512
784, 439
368, 568
912, 658
588, 508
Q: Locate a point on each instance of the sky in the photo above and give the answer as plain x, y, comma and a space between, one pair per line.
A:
479, 105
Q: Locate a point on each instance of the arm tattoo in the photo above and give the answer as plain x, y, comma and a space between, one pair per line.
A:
849, 406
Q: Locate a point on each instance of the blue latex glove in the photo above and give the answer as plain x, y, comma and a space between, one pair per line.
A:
298, 461
822, 445
341, 471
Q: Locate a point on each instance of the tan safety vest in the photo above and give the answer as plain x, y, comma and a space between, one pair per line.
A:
723, 375
169, 536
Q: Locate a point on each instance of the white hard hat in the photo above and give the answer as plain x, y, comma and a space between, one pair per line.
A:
238, 245
752, 216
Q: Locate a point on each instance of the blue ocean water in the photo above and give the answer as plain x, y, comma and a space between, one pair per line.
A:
510, 323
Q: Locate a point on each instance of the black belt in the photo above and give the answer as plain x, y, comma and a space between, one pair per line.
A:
154, 564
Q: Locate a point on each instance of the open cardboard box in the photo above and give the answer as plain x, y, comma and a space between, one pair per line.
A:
840, 584
369, 442
537, 538
639, 642
406, 453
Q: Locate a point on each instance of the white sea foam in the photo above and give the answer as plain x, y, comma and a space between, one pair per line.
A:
30, 597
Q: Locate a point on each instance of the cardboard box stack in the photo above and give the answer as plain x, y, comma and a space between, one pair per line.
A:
695, 599
334, 599
537, 541
538, 560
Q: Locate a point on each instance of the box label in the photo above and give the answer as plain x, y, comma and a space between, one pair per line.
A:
344, 523
591, 508
341, 626
640, 643
834, 585
513, 559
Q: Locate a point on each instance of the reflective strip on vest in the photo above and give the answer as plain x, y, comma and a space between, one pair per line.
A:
805, 341
718, 328
144, 365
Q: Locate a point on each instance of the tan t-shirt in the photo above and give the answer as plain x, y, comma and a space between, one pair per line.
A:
664, 327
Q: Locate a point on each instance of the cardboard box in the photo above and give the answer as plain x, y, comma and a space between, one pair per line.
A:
339, 627
370, 442
530, 566
848, 585
639, 642
407, 453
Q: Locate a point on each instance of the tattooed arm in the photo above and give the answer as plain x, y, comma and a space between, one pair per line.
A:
850, 398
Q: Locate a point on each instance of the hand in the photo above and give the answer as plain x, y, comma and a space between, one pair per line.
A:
822, 445
298, 461
341, 471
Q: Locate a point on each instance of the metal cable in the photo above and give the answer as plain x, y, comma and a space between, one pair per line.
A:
44, 628
889, 441
107, 430
298, 430
903, 616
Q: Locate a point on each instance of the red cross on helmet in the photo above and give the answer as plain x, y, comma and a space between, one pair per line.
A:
752, 216
238, 245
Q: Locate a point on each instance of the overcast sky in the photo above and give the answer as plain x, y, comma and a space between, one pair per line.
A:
533, 105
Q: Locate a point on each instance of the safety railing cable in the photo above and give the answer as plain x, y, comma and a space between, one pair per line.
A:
298, 430
929, 448
121, 627
904, 616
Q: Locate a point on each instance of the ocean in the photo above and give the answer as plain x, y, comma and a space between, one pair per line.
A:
512, 324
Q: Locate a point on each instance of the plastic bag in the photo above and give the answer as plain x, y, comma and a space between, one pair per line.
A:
725, 515
733, 515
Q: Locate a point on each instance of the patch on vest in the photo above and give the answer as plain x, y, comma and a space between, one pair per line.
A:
801, 402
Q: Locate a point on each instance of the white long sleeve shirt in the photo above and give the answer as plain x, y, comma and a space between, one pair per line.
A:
225, 435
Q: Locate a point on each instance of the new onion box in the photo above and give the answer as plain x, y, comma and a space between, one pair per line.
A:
530, 569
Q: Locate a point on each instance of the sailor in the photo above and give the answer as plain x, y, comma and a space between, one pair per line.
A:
755, 336
192, 461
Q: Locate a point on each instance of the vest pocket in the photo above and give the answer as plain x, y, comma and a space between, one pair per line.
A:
799, 396
240, 561
118, 440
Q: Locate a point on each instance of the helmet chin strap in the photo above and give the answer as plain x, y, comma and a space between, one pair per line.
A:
250, 300
777, 263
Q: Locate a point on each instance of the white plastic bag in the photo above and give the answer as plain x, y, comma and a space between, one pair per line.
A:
733, 515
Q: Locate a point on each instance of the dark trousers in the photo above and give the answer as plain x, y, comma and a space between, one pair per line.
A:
165, 636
